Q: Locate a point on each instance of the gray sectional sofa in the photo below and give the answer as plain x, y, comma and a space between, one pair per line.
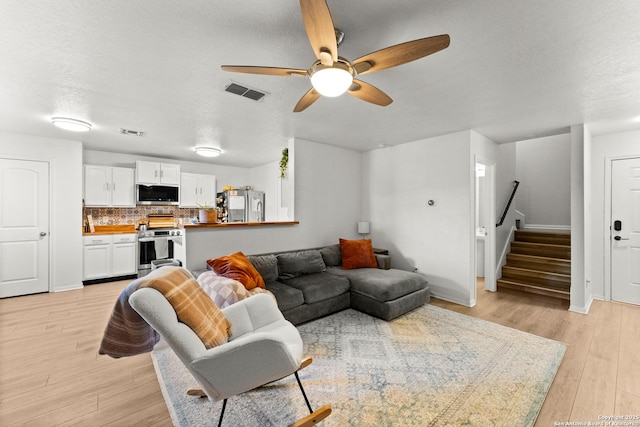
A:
311, 283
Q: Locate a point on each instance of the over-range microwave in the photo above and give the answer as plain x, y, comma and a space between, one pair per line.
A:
157, 195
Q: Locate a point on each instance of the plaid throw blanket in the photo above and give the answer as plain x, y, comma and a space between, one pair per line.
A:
127, 334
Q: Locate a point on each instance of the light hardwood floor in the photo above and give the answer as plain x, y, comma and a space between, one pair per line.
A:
51, 374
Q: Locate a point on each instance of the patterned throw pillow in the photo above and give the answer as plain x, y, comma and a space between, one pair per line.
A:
224, 291
357, 254
236, 266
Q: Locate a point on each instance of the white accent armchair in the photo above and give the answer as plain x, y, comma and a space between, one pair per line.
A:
263, 347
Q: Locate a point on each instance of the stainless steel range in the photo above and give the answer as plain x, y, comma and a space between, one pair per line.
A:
156, 244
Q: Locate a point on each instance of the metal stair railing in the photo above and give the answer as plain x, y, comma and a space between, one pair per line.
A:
506, 208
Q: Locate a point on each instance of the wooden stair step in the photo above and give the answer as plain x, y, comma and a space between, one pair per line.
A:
563, 239
536, 277
532, 262
541, 249
540, 290
539, 262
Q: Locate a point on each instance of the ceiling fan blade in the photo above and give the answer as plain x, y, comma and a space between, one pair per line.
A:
269, 71
320, 30
307, 99
400, 54
369, 93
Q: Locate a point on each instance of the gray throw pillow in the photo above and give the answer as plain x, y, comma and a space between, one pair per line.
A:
294, 264
267, 266
331, 255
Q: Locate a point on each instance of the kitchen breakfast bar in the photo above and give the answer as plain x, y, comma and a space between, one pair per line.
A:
201, 242
113, 252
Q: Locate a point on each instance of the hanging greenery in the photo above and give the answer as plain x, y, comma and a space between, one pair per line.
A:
284, 161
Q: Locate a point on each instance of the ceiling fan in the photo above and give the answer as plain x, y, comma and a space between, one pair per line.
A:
332, 75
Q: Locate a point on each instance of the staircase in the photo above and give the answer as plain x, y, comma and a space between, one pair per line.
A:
539, 262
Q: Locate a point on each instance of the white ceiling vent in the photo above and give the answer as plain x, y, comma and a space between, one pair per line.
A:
245, 91
132, 132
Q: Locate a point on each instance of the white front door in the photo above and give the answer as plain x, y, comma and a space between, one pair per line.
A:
24, 227
625, 230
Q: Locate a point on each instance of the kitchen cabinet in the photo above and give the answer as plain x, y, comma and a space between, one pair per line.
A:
197, 190
150, 173
108, 186
109, 256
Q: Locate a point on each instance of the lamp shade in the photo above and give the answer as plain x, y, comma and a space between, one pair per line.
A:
331, 82
363, 227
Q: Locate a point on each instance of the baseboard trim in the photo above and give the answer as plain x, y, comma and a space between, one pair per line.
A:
71, 288
452, 299
505, 250
582, 310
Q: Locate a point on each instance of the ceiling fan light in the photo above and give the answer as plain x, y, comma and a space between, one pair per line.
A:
73, 125
331, 81
208, 151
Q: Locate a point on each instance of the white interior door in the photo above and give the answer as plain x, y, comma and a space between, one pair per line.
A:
24, 227
625, 230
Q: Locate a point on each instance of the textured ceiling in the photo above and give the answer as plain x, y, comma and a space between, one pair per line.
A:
514, 69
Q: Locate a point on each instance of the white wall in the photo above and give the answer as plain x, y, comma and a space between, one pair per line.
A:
580, 298
605, 148
328, 200
484, 151
65, 159
279, 192
267, 178
505, 175
543, 169
437, 240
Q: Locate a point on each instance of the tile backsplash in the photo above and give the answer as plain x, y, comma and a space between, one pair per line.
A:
131, 216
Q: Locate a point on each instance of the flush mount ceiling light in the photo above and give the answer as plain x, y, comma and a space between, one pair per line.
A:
208, 151
74, 125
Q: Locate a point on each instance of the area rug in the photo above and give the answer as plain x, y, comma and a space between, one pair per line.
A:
430, 367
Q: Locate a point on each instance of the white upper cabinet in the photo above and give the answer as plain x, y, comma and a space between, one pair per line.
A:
157, 173
197, 190
122, 187
108, 186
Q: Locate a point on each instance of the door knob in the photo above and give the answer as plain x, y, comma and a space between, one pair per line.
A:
42, 234
619, 238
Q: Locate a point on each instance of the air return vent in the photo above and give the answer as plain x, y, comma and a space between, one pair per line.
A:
245, 91
133, 132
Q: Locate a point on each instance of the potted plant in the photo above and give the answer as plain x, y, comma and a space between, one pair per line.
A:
207, 214
284, 162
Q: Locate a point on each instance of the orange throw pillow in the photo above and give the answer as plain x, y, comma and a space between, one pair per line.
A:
238, 267
357, 254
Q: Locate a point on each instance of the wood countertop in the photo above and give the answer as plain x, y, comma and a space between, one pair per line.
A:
130, 229
112, 229
238, 224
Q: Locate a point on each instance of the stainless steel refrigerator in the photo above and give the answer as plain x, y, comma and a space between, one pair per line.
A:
244, 205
